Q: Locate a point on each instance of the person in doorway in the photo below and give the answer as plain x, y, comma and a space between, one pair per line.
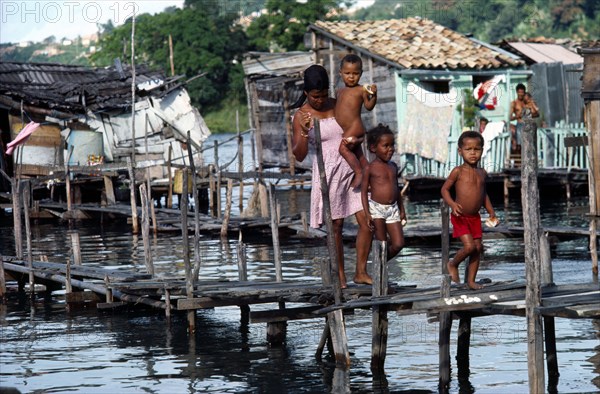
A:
350, 100
316, 105
517, 108
384, 208
482, 124
468, 181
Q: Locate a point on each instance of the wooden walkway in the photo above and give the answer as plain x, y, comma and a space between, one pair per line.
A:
571, 301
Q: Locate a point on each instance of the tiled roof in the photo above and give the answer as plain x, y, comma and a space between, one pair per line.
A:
417, 43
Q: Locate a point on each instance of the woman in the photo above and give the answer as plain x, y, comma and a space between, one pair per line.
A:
345, 201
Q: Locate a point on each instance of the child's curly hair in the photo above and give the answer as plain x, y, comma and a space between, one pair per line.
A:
376, 133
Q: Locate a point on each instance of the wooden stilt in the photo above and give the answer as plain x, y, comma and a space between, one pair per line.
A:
170, 176
134, 214
326, 335
75, 247
28, 235
212, 201
444, 338
189, 283
2, 282
146, 230
339, 338
16, 206
240, 166
531, 221
275, 234
168, 303
109, 293
109, 191
445, 244
463, 345
241, 259
196, 267
68, 286
379, 313
227, 214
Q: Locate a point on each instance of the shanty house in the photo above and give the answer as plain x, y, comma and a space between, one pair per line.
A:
274, 83
423, 73
85, 116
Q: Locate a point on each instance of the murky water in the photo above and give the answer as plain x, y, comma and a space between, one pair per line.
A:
46, 348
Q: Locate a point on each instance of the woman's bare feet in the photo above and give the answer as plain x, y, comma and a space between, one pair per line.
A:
475, 286
363, 279
453, 271
343, 283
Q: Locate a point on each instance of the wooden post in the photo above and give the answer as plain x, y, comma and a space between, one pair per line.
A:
171, 56
241, 258
28, 235
68, 286
227, 213
189, 284
549, 324
288, 129
218, 187
379, 313
134, 213
168, 303
444, 338
240, 162
531, 223
75, 247
196, 268
593, 125
590, 92
16, 206
275, 234
330, 274
2, 282
212, 203
68, 187
170, 176
146, 230
109, 293
445, 212
109, 191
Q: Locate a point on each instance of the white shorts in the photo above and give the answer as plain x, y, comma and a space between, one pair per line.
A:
390, 213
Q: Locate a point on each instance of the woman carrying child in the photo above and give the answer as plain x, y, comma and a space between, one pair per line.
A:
345, 200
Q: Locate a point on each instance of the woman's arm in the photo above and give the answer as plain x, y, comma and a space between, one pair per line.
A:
300, 125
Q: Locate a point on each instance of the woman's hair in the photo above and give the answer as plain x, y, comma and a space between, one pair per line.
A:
376, 133
315, 78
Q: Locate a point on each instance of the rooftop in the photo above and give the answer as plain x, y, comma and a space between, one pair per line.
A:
417, 43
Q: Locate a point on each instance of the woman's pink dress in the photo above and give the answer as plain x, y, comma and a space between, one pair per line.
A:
344, 200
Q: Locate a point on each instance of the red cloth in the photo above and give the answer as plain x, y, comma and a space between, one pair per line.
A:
22, 137
466, 225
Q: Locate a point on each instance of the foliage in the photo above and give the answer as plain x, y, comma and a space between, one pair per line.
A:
469, 107
494, 20
204, 44
223, 120
283, 26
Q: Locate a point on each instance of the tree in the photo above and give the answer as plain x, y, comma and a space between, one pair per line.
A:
203, 44
285, 22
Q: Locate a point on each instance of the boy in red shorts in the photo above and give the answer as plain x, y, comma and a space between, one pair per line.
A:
469, 183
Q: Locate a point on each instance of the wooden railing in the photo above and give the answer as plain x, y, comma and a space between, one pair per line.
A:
552, 149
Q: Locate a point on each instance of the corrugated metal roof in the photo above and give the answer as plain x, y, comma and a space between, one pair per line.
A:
416, 43
75, 89
545, 53
276, 64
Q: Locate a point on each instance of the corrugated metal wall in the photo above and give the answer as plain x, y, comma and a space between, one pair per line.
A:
556, 88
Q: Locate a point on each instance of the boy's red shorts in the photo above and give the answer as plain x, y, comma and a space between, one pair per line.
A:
466, 225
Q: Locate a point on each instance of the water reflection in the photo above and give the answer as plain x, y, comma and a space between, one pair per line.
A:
47, 348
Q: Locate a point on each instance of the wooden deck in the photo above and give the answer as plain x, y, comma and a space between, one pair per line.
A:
508, 298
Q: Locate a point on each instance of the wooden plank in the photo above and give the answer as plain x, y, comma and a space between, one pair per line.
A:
572, 312
280, 315
575, 142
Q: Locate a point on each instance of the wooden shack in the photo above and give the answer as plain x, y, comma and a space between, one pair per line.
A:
86, 113
273, 83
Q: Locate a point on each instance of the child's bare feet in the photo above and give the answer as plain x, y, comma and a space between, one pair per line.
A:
475, 286
453, 271
363, 279
343, 283
357, 179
